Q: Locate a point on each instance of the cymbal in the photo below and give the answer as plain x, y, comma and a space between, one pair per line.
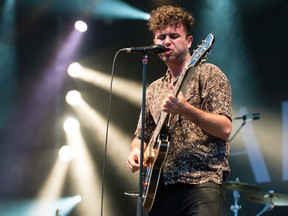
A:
276, 199
241, 186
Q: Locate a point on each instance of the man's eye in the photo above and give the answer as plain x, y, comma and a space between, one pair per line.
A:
161, 38
174, 36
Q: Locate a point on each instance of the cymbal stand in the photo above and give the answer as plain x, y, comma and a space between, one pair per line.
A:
235, 208
269, 206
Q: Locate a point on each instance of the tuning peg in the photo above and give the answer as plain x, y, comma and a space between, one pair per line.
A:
203, 60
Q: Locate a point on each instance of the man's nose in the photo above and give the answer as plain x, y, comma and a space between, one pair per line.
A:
167, 40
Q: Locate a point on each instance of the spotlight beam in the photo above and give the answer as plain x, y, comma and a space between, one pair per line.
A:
95, 123
119, 10
103, 80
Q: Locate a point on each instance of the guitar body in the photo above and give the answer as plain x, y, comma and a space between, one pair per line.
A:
157, 148
152, 172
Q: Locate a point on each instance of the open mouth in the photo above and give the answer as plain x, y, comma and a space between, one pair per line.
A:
168, 52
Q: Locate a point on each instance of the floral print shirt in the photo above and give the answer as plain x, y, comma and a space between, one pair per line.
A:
194, 156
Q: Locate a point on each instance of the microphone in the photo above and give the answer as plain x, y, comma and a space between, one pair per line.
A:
146, 49
249, 117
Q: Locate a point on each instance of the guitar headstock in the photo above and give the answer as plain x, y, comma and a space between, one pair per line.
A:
201, 52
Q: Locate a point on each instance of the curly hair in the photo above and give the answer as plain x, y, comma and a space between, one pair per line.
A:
169, 15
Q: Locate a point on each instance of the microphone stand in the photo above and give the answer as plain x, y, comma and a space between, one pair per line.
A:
248, 117
242, 125
139, 203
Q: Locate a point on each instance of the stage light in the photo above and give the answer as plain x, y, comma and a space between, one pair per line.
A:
78, 198
80, 26
89, 117
67, 204
102, 80
26, 207
66, 153
8, 61
74, 69
90, 175
96, 124
71, 125
73, 97
119, 10
44, 203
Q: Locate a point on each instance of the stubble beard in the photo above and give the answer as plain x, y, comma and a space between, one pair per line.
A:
172, 58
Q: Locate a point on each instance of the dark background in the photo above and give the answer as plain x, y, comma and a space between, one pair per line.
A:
251, 48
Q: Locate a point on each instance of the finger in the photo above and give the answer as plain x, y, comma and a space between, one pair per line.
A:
164, 108
172, 87
130, 167
133, 164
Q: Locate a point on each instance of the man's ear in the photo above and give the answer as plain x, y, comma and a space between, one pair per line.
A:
190, 40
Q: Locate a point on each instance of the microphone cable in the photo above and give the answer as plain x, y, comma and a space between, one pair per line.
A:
107, 133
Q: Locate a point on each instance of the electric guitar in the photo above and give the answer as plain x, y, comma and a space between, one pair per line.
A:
157, 148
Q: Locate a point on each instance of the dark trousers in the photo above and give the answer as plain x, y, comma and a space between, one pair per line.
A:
206, 199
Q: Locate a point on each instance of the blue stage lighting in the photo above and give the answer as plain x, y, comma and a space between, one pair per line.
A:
67, 204
119, 10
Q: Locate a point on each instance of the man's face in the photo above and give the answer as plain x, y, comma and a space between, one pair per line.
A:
175, 39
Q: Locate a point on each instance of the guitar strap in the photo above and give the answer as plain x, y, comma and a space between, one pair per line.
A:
186, 80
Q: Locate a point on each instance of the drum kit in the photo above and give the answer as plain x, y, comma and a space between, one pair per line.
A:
254, 194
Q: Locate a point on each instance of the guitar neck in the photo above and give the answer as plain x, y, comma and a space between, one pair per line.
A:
193, 61
155, 136
177, 88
